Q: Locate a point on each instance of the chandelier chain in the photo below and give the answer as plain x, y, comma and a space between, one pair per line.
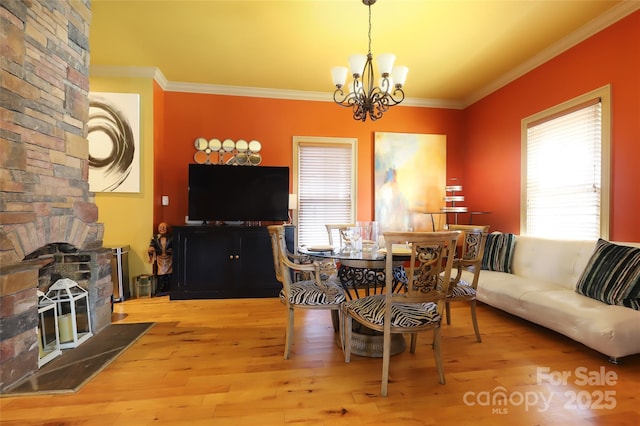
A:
369, 30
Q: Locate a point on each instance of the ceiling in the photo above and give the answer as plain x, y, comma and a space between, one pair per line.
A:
457, 51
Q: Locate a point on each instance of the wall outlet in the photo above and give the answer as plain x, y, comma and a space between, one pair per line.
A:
165, 200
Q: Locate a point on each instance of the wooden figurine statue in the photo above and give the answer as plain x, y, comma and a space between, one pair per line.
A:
161, 256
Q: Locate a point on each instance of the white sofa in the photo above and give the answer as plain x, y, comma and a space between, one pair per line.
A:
542, 289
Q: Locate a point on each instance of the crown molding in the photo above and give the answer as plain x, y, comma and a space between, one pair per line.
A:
299, 95
598, 24
254, 92
113, 71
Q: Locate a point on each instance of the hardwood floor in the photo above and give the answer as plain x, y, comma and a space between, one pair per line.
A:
220, 362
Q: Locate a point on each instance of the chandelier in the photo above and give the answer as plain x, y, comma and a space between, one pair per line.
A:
363, 97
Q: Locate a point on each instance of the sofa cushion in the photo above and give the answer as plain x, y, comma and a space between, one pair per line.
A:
557, 261
498, 252
499, 288
612, 275
610, 329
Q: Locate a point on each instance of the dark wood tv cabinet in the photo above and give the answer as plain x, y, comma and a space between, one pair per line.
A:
222, 262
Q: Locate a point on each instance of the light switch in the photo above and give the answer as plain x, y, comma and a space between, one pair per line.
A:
165, 200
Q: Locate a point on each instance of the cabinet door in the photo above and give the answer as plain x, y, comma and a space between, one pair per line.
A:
255, 272
206, 270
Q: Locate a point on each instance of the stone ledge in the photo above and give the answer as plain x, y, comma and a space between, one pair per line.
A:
20, 276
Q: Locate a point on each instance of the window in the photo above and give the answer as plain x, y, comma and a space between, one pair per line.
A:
324, 180
565, 166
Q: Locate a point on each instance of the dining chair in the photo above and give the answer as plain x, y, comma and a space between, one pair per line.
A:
418, 307
334, 230
299, 258
313, 293
469, 258
337, 229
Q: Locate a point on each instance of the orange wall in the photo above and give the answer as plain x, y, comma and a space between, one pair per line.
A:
492, 125
274, 123
483, 141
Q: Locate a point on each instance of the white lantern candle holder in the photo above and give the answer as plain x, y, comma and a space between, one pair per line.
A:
72, 303
48, 334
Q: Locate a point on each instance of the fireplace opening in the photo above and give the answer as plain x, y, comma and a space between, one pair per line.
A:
66, 261
89, 267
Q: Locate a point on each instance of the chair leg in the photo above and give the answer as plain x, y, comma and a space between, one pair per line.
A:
289, 333
437, 356
342, 318
341, 328
447, 309
414, 341
386, 357
348, 330
475, 320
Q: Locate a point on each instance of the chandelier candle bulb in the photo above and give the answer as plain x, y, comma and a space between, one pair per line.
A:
399, 74
356, 64
339, 75
385, 63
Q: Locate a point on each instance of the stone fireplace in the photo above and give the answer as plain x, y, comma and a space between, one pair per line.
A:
48, 216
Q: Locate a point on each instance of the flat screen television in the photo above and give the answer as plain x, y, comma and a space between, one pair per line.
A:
238, 193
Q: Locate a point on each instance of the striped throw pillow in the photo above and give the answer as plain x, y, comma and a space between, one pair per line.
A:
498, 252
612, 275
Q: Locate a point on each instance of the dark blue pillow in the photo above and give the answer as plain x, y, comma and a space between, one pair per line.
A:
498, 252
612, 275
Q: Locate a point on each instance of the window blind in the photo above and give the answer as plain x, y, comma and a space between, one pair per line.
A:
325, 189
563, 174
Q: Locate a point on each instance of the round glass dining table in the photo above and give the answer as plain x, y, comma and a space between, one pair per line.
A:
362, 274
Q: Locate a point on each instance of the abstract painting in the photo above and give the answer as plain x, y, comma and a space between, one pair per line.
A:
410, 179
114, 142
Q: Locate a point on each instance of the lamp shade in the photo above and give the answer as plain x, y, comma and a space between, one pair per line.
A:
293, 201
339, 75
400, 74
356, 64
385, 63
